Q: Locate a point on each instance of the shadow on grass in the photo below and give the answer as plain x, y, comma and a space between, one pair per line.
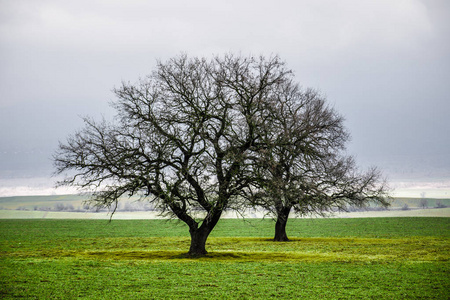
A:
162, 255
261, 250
219, 256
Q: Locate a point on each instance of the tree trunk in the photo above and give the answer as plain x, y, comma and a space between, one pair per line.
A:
280, 225
199, 235
198, 241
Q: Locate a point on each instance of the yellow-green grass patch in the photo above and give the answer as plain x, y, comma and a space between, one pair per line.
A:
244, 249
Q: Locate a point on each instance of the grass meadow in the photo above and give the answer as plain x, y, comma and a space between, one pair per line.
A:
365, 258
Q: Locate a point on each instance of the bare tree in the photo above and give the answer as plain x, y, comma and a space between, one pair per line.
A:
423, 201
303, 167
185, 139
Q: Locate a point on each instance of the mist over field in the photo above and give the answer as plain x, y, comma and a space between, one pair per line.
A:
409, 177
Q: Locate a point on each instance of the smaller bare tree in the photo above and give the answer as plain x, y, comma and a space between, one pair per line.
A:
303, 168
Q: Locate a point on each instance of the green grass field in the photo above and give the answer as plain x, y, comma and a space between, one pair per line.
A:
382, 258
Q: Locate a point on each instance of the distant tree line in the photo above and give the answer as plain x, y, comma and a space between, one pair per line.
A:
128, 206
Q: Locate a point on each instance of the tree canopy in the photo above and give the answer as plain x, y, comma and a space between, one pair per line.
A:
184, 138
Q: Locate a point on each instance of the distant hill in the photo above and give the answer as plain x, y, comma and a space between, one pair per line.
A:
41, 202
76, 203
68, 203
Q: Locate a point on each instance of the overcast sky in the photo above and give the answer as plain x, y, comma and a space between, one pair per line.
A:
384, 65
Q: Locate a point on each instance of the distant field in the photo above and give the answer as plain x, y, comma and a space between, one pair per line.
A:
72, 207
365, 258
23, 214
34, 202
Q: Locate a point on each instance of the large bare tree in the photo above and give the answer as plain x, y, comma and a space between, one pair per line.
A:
303, 167
185, 139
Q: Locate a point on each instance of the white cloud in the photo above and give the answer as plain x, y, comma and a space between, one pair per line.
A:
32, 187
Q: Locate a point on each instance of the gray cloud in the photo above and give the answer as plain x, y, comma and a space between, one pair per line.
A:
383, 64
